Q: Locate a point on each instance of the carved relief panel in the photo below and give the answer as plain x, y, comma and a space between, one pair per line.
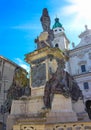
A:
38, 75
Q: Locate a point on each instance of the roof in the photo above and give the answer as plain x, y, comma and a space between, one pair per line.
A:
85, 37
11, 62
57, 24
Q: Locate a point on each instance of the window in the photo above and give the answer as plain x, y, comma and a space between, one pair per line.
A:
60, 30
86, 86
83, 68
55, 30
56, 45
0, 62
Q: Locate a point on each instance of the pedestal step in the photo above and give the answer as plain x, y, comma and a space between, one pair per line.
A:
83, 116
58, 117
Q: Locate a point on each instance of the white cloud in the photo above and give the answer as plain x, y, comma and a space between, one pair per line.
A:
22, 64
77, 12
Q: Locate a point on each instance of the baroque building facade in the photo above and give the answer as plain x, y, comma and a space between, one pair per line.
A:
79, 63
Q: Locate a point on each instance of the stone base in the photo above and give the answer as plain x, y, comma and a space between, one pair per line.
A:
27, 106
37, 91
19, 123
57, 117
61, 104
10, 122
83, 116
78, 106
61, 110
26, 114
26, 125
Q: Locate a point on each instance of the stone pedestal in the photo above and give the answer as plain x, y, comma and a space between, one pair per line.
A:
78, 106
61, 110
27, 106
43, 62
24, 115
10, 122
61, 104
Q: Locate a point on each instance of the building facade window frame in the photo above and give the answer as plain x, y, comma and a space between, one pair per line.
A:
60, 29
55, 30
86, 86
82, 64
83, 68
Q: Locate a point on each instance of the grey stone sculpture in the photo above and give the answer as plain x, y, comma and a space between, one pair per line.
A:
61, 83
45, 20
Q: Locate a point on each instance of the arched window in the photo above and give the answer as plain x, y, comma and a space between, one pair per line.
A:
56, 30
56, 45
60, 30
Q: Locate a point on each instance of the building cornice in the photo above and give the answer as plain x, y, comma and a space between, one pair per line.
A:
80, 51
43, 52
79, 48
87, 74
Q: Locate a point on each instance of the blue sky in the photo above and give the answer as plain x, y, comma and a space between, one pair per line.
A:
20, 23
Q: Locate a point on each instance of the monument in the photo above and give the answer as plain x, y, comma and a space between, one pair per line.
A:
54, 93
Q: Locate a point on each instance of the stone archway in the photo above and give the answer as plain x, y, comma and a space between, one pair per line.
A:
88, 108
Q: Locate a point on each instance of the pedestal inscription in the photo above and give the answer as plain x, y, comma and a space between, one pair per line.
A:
38, 75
